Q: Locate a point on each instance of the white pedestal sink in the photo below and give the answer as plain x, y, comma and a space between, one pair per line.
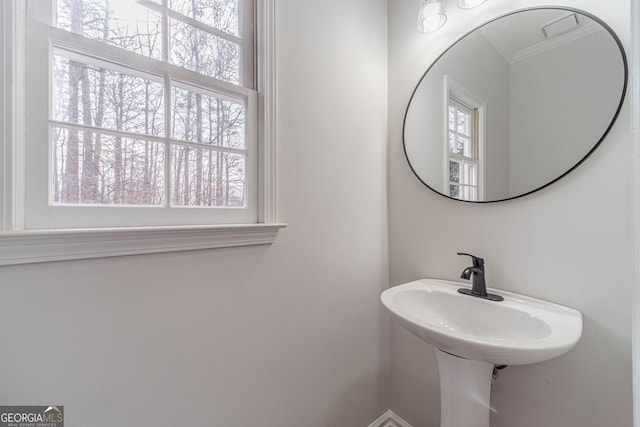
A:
472, 335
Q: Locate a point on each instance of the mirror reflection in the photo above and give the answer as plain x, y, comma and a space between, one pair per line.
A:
515, 105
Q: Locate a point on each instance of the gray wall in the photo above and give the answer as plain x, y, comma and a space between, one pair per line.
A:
568, 98
570, 243
283, 336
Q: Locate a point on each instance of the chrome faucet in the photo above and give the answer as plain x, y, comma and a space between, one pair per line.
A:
478, 284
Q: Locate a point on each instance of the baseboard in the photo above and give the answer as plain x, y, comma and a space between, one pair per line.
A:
389, 419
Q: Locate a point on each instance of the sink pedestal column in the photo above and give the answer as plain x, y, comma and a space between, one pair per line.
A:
465, 388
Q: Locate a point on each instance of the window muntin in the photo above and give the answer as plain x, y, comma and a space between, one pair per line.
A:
462, 150
172, 131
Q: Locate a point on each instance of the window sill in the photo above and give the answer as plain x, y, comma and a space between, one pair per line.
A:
33, 246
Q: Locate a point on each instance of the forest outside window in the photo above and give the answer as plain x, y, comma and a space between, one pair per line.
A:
141, 113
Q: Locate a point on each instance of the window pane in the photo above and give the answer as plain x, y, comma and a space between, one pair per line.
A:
92, 168
454, 191
220, 14
470, 174
469, 193
463, 122
93, 96
206, 119
202, 177
463, 145
452, 118
454, 172
203, 52
122, 23
452, 146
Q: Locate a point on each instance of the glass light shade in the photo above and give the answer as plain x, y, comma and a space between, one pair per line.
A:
431, 16
469, 4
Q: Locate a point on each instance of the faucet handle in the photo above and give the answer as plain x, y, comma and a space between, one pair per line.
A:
477, 261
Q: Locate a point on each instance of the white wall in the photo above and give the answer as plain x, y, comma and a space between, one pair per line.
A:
570, 243
283, 336
568, 98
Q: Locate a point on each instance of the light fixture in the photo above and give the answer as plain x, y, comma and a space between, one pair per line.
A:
469, 4
431, 15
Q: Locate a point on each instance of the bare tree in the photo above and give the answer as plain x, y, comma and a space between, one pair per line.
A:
70, 184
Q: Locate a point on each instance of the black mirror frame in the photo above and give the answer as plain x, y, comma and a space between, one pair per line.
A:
585, 157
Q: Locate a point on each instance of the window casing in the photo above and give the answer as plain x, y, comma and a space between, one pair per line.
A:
152, 109
22, 242
463, 143
462, 150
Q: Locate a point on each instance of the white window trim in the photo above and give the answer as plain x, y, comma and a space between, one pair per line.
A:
450, 85
25, 247
19, 246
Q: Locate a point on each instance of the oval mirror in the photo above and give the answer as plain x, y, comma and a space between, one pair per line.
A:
515, 105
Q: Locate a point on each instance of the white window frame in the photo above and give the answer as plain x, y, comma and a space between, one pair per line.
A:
453, 89
21, 245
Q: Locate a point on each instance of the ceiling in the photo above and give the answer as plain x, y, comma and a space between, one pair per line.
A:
520, 35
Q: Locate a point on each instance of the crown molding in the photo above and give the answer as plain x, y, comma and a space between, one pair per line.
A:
544, 46
389, 419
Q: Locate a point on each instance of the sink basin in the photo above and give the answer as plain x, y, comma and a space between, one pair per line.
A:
472, 335
516, 331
